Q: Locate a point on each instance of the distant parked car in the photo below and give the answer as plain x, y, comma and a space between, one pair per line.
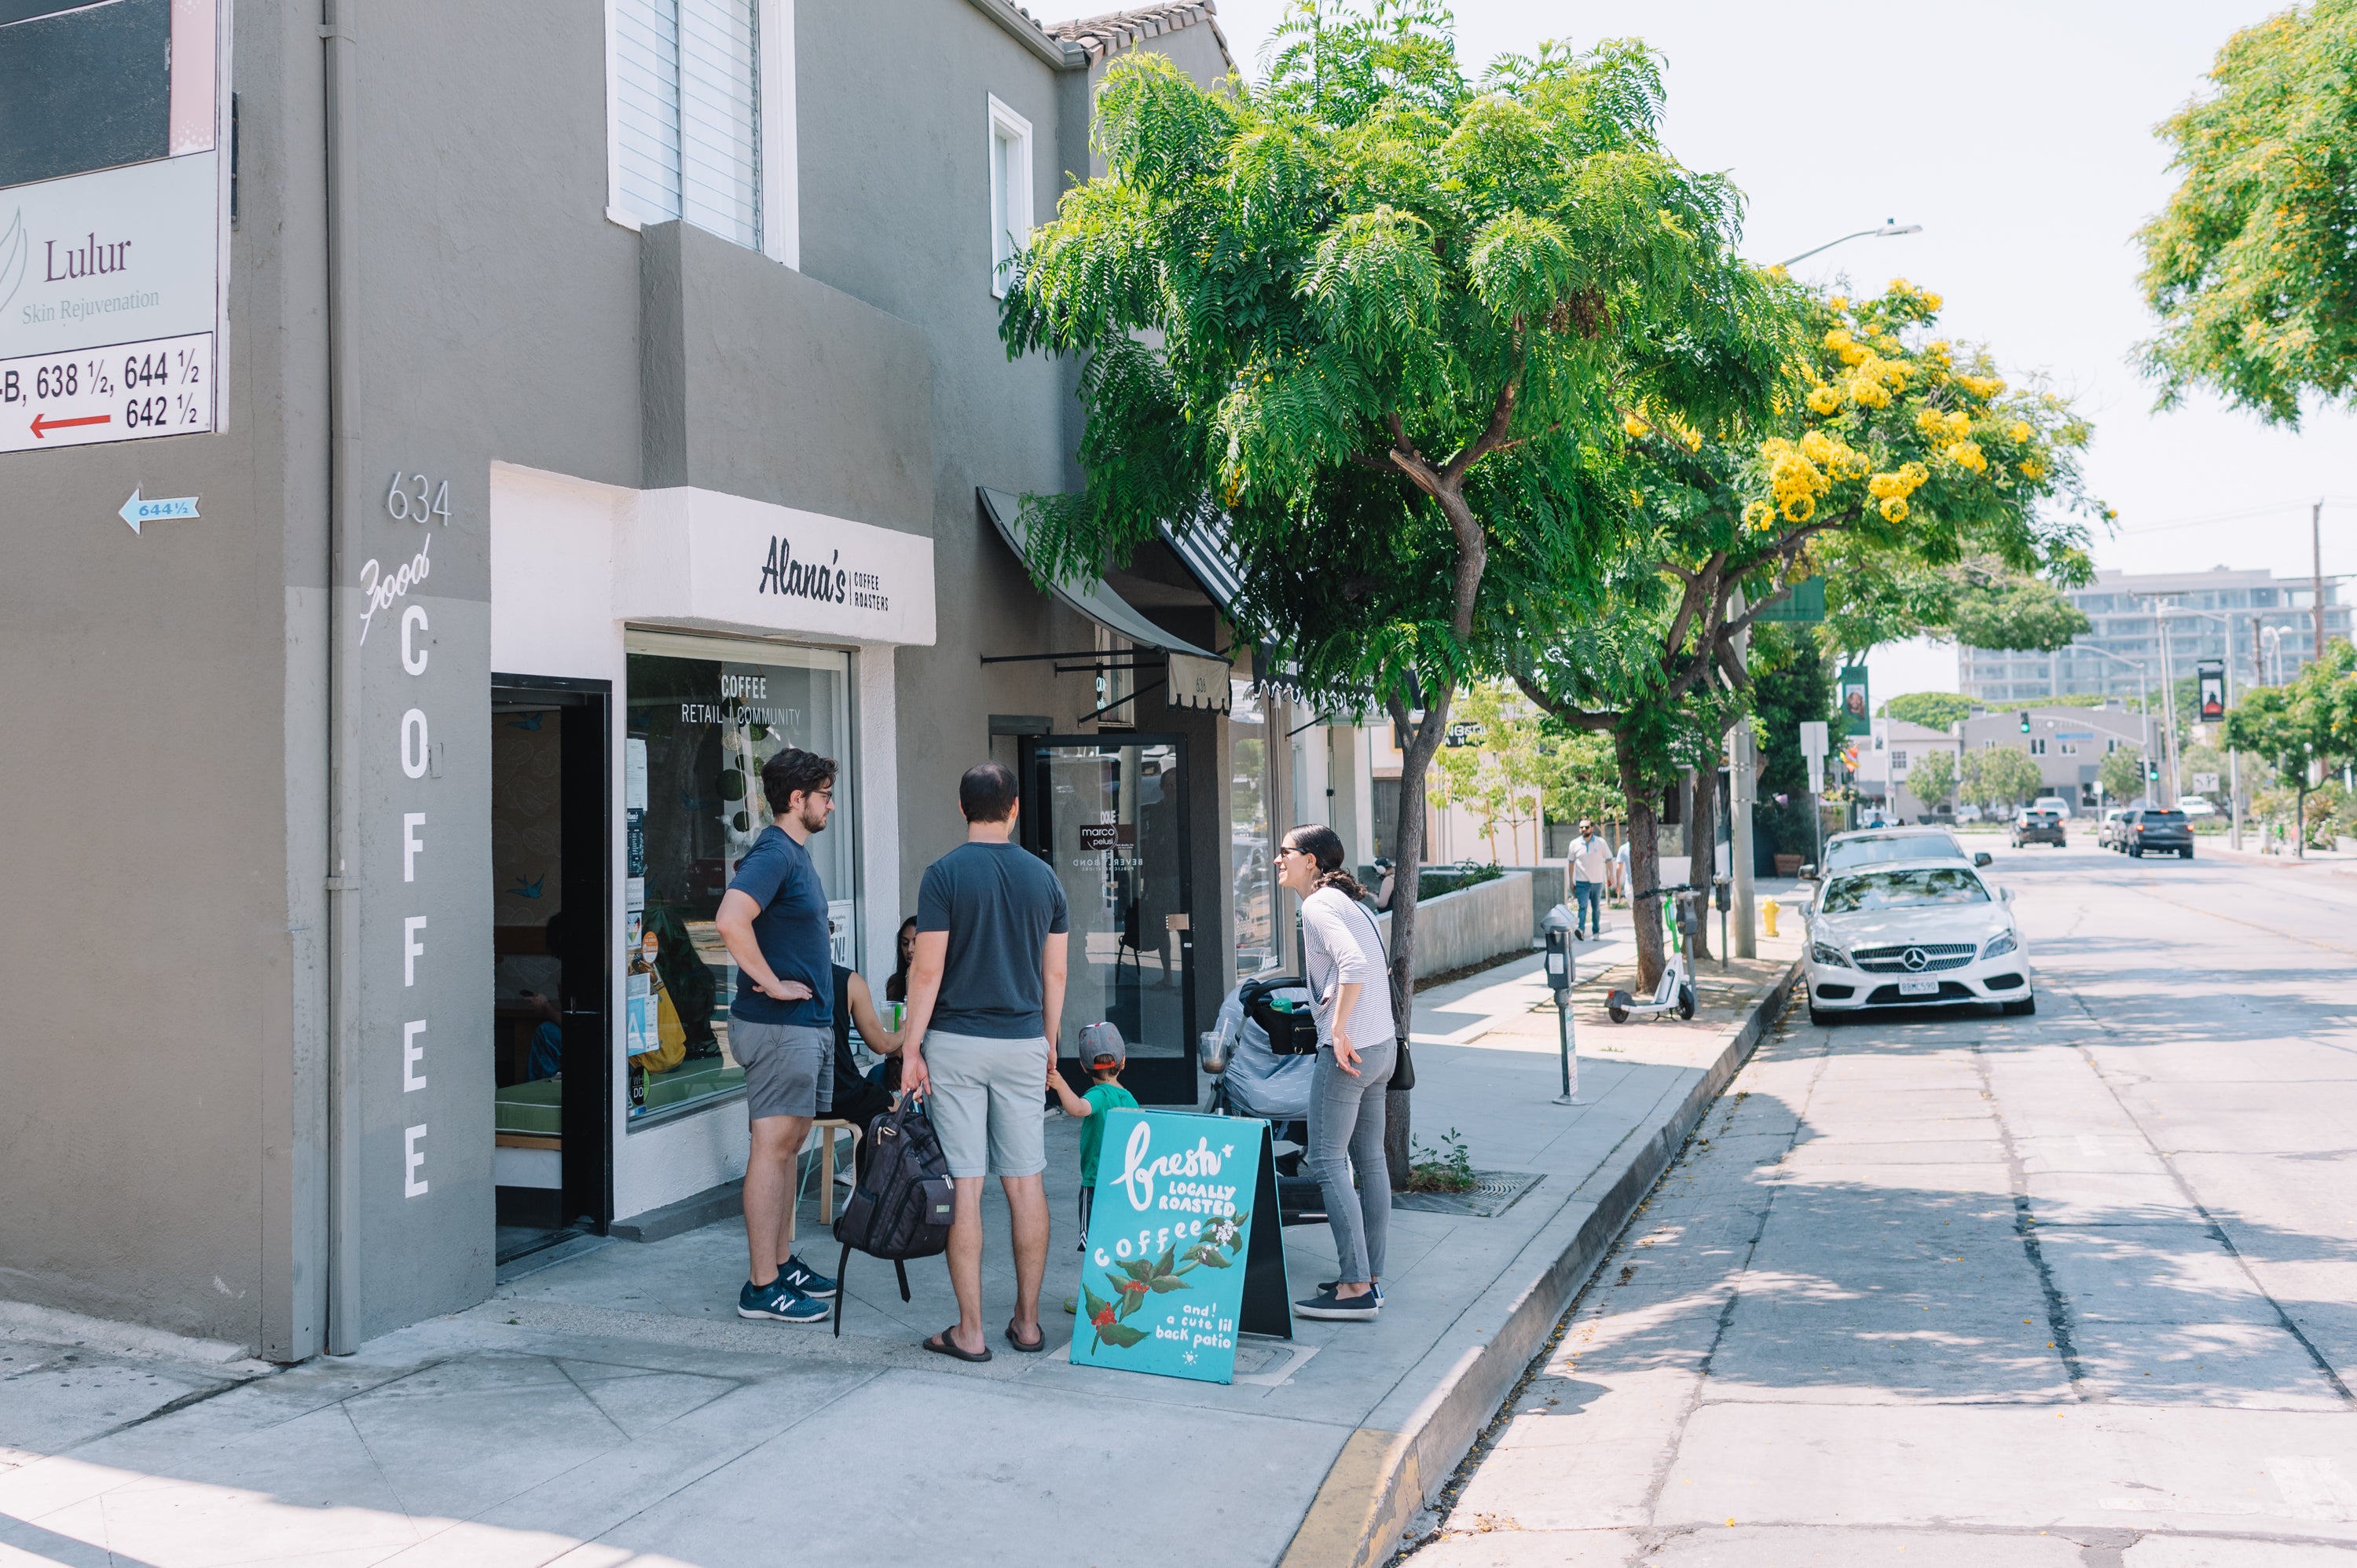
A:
2054, 803
2151, 829
1968, 813
2037, 824
2108, 835
2196, 806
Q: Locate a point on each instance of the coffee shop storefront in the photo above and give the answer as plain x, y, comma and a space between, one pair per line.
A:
666, 643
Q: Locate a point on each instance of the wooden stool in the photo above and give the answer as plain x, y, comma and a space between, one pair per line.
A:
826, 1127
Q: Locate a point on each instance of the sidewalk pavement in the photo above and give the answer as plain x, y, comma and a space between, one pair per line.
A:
610, 1405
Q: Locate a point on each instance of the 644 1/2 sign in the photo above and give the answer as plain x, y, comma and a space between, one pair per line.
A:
163, 387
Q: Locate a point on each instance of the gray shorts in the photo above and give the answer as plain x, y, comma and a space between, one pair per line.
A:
789, 1067
986, 1104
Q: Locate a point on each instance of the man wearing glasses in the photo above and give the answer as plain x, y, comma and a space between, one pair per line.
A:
780, 1026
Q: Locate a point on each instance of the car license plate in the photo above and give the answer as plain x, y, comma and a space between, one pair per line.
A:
1919, 988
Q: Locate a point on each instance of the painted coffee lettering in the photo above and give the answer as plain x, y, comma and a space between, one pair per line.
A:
381, 588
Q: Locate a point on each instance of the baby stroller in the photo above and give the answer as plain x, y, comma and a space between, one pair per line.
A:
1256, 1078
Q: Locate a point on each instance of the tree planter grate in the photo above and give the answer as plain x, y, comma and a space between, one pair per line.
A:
1494, 1192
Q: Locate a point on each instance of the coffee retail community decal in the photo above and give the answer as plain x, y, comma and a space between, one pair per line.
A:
1175, 1266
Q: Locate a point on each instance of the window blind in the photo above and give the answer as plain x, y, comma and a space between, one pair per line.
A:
688, 107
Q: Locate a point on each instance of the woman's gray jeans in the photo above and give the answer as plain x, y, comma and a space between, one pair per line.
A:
1346, 1130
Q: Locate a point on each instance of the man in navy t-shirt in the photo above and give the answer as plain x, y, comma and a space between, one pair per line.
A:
988, 981
773, 919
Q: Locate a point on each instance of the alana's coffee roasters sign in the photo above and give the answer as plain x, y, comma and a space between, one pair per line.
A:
694, 557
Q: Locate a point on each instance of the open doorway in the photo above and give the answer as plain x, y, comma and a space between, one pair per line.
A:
552, 1039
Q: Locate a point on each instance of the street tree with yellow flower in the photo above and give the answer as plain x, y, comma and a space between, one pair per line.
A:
1890, 454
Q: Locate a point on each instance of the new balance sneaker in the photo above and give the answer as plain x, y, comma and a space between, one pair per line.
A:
1326, 1303
805, 1279
1332, 1285
779, 1302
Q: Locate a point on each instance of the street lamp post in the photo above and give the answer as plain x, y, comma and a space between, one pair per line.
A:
2144, 696
1890, 227
2160, 614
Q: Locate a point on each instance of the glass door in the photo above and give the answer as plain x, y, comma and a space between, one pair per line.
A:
1109, 813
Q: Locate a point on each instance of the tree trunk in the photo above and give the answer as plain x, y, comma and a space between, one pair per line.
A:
1407, 858
1702, 845
1644, 868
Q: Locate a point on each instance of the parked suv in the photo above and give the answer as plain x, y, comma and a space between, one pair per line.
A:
2151, 829
2037, 824
2108, 835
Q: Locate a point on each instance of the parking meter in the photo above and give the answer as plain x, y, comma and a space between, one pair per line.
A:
1722, 897
1555, 928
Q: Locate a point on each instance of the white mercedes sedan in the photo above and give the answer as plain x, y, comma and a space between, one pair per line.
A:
1921, 933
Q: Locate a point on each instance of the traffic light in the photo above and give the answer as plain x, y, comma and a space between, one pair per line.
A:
2025, 721
2152, 772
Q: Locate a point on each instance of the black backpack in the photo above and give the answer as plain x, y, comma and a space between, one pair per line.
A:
902, 1206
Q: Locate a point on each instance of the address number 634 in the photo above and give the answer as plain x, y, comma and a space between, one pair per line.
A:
413, 497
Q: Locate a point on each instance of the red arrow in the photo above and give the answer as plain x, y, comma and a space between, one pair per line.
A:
41, 427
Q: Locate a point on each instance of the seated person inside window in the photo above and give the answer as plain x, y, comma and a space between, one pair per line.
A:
859, 1100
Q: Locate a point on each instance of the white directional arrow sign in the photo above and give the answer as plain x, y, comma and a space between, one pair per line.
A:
136, 510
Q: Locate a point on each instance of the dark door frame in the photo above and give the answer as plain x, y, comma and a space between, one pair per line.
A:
588, 837
1154, 1080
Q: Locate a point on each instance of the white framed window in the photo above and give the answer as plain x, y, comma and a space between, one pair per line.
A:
1897, 762
2038, 746
700, 119
1010, 190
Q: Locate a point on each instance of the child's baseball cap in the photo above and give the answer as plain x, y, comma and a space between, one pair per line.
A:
1101, 1047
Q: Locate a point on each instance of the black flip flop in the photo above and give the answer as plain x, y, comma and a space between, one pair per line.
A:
942, 1345
1031, 1350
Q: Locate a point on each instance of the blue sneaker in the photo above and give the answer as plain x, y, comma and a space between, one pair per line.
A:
779, 1302
807, 1279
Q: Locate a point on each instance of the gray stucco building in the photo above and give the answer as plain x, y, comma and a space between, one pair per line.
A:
599, 396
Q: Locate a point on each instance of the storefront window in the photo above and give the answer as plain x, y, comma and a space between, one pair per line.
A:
702, 718
1253, 883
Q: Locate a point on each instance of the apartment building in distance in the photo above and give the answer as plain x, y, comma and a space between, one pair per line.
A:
2264, 624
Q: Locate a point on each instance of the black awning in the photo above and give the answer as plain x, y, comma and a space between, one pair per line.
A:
1091, 596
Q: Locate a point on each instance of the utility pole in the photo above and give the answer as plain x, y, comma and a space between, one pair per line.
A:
1742, 782
2316, 545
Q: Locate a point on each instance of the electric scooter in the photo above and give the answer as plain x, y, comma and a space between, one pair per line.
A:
1675, 992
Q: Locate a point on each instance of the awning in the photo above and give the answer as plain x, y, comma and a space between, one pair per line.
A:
1198, 678
1203, 544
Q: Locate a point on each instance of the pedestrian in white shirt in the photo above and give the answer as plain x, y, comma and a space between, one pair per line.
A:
1357, 1046
1589, 856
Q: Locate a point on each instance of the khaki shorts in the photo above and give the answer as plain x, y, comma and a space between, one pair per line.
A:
987, 1103
789, 1067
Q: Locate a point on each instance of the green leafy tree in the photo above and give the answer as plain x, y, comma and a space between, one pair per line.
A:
2249, 267
1890, 455
1378, 320
2000, 776
2122, 774
1933, 780
2016, 612
2312, 718
1577, 775
1501, 774
1933, 710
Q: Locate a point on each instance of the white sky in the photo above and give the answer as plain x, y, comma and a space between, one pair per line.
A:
2018, 134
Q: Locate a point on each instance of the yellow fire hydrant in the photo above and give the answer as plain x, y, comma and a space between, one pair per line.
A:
1767, 914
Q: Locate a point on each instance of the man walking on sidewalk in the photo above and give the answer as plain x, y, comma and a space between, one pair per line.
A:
1590, 855
986, 1000
780, 1025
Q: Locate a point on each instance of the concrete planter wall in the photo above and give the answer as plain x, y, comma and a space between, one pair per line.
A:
1472, 924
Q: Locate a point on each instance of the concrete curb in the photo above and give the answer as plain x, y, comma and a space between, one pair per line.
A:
1387, 1471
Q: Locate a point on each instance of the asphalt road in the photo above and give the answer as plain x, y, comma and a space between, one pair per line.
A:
2079, 1288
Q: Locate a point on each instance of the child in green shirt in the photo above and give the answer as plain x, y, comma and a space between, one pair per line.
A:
1102, 1053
